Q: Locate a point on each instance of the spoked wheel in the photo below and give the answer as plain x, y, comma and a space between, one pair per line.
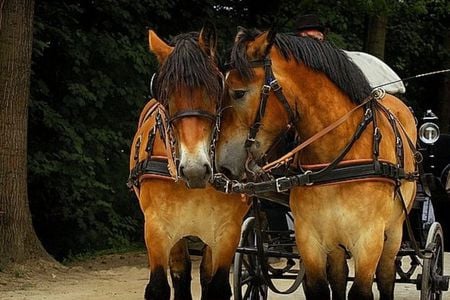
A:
248, 282
283, 262
433, 281
255, 273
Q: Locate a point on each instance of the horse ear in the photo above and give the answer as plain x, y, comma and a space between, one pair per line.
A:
158, 47
208, 39
261, 46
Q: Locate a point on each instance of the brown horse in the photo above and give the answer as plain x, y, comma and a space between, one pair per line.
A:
174, 140
313, 87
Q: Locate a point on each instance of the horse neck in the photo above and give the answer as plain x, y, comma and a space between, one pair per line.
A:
319, 103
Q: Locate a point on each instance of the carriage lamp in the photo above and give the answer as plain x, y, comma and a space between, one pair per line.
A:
429, 133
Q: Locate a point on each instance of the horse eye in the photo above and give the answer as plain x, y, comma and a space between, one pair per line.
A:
238, 94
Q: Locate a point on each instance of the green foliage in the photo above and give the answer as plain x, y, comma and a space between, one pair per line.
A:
415, 45
91, 68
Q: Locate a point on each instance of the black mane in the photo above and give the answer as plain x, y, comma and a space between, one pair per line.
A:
187, 66
317, 55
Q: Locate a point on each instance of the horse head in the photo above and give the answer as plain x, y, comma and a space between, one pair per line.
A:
277, 82
247, 121
189, 85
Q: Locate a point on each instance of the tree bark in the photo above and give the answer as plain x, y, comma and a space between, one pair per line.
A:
376, 35
18, 240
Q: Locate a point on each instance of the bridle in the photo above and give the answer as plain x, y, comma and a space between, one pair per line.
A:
186, 113
270, 84
374, 168
171, 142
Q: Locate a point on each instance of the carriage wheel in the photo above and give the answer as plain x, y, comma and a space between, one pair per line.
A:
248, 282
432, 280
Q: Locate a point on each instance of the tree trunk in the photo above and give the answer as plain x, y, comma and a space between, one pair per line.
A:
376, 35
18, 240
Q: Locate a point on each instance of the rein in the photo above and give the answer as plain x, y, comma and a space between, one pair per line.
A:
333, 172
288, 156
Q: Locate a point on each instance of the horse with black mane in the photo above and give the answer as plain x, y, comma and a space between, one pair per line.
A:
175, 140
355, 162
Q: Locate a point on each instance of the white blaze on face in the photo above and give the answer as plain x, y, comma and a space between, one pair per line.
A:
194, 159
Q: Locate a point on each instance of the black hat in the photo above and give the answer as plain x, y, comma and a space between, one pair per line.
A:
309, 22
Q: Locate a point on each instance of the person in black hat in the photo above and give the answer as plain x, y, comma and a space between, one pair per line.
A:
310, 25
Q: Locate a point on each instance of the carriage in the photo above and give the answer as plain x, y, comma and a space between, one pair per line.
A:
267, 259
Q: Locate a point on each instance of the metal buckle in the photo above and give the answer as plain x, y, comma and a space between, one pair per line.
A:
227, 186
368, 114
275, 85
418, 156
307, 172
250, 140
220, 180
278, 184
266, 89
376, 133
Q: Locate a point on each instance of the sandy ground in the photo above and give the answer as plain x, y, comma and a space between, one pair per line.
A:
119, 276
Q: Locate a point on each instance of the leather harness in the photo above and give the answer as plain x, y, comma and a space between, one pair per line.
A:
337, 171
152, 166
165, 167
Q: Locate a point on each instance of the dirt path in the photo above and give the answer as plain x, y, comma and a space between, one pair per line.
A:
121, 276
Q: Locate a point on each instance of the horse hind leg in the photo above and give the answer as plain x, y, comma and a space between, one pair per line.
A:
180, 270
337, 272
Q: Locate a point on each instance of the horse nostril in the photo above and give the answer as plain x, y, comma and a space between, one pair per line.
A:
207, 170
181, 171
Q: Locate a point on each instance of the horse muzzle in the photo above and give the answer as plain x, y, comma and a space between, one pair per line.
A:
196, 174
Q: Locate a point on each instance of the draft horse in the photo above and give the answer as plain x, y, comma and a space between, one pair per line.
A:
175, 140
355, 165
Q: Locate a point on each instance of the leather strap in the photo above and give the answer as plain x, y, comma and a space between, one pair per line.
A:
336, 175
148, 166
288, 156
270, 83
193, 113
